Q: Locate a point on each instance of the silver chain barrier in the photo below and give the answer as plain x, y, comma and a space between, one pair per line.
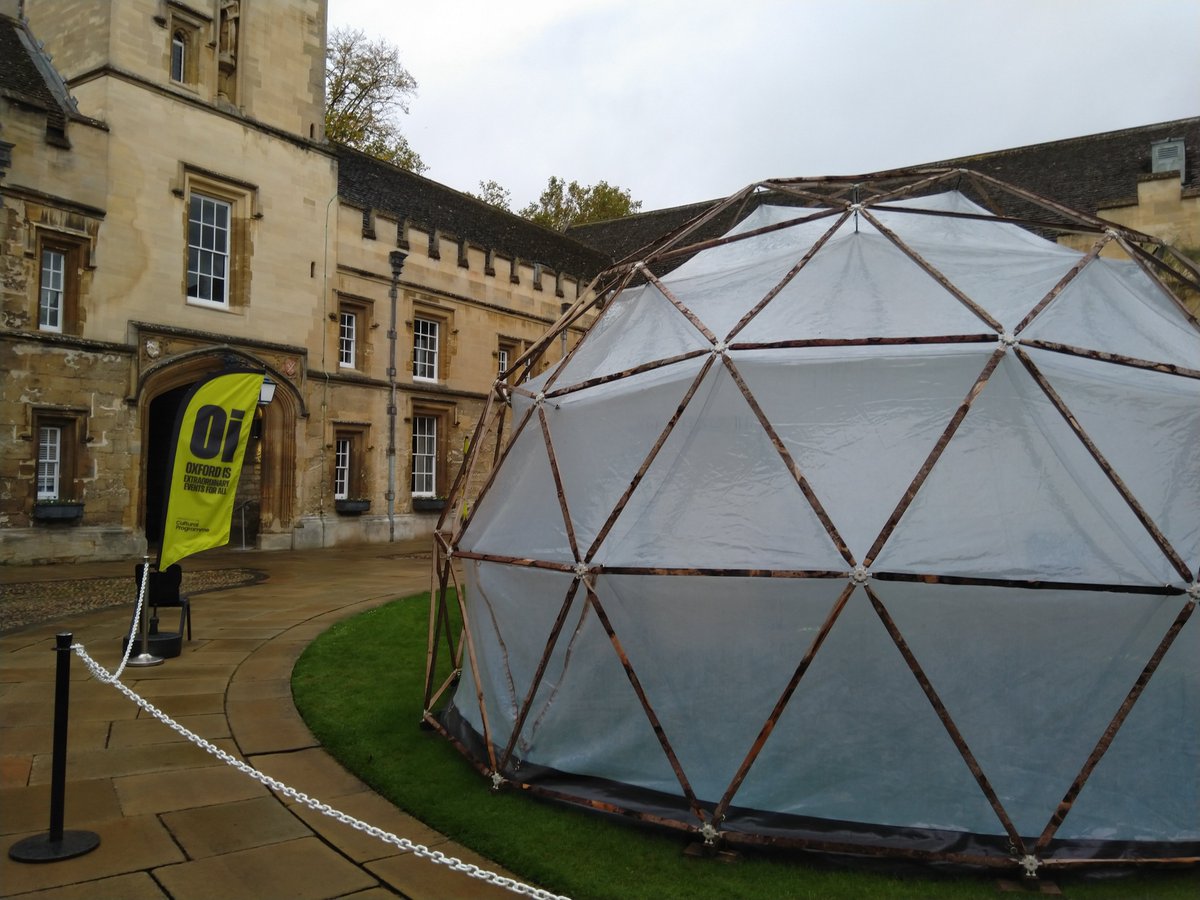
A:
137, 618
436, 856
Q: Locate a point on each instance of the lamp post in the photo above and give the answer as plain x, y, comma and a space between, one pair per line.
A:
396, 259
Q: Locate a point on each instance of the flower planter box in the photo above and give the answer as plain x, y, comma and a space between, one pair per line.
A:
57, 512
351, 507
428, 504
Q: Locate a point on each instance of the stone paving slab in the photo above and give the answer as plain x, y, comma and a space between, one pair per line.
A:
129, 761
419, 879
245, 631
102, 709
367, 806
243, 690
126, 845
375, 893
184, 705
135, 886
14, 770
160, 792
229, 827
321, 775
40, 738
270, 734
87, 803
304, 869
154, 691
147, 730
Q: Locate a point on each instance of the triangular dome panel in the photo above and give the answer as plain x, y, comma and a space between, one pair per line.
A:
732, 279
596, 469
1112, 306
942, 226
1008, 285
520, 515
1147, 425
1150, 767
1003, 268
639, 326
860, 742
790, 242
719, 497
586, 690
1016, 495
660, 634
1096, 642
511, 616
842, 411
861, 286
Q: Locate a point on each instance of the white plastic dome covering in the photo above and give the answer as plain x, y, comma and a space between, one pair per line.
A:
891, 573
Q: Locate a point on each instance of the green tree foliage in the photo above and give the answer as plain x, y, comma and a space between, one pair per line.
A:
494, 193
365, 87
562, 205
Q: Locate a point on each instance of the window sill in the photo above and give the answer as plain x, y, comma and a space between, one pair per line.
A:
208, 304
351, 507
428, 504
58, 511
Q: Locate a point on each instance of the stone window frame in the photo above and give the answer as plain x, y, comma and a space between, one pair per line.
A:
361, 309
188, 28
243, 201
348, 477
507, 351
442, 415
72, 430
74, 251
444, 320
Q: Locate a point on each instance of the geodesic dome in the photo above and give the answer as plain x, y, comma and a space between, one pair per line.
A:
872, 526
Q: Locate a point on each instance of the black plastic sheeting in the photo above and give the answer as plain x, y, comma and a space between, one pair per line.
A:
761, 828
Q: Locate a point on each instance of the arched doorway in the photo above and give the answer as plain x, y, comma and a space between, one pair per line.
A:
160, 433
265, 490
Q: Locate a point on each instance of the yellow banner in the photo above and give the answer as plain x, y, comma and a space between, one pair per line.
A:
210, 444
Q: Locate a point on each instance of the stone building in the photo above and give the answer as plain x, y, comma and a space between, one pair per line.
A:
170, 208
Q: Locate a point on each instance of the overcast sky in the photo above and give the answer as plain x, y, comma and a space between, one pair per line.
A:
687, 100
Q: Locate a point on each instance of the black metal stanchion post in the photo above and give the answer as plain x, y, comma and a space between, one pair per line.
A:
58, 844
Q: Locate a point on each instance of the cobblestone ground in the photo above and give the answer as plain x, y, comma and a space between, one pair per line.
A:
30, 603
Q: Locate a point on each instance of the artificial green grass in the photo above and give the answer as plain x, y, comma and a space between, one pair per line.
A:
359, 686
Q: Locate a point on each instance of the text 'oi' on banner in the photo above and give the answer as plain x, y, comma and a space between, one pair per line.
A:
211, 435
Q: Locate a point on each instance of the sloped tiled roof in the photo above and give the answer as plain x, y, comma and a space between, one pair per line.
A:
370, 183
28, 78
622, 237
1084, 173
